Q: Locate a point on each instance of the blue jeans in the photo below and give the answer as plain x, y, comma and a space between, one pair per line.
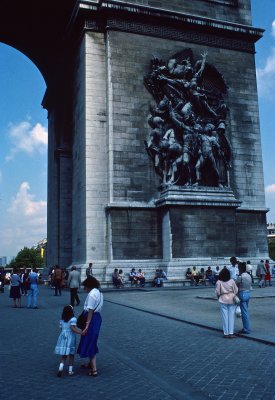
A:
244, 297
32, 295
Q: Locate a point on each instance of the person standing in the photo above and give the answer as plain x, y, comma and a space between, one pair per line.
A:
73, 283
260, 272
267, 277
244, 285
249, 270
226, 289
15, 283
33, 290
89, 270
233, 268
57, 280
24, 282
92, 307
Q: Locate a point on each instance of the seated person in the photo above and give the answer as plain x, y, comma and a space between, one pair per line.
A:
202, 276
190, 276
217, 273
115, 278
210, 276
195, 275
121, 277
141, 277
133, 277
159, 278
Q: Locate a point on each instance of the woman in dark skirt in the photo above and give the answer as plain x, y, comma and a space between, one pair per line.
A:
15, 288
92, 307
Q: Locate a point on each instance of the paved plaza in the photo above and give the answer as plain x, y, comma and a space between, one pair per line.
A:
158, 344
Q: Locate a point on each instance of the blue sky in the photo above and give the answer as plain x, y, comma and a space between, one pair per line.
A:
23, 130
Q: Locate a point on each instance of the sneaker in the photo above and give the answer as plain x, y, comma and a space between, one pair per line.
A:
71, 373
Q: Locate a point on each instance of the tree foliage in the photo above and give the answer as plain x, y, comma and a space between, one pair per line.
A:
28, 258
271, 248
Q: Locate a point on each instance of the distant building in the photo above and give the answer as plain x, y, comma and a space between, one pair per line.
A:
3, 261
41, 248
271, 232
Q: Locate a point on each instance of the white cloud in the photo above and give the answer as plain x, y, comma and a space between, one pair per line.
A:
25, 222
270, 189
27, 138
266, 75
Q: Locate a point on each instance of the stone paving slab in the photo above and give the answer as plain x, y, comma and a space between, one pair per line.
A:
141, 355
200, 306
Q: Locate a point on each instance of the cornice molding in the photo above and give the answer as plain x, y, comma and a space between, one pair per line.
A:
100, 15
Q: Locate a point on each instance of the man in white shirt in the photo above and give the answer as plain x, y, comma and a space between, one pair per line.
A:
233, 268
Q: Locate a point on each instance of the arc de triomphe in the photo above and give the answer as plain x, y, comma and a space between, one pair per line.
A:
154, 141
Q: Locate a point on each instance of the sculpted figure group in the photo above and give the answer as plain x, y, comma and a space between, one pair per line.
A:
187, 140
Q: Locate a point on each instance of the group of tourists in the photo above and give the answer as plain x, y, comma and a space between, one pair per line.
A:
233, 289
202, 276
24, 283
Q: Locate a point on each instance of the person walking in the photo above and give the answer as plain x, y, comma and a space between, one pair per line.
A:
260, 272
66, 342
73, 283
33, 290
226, 289
15, 283
244, 285
92, 307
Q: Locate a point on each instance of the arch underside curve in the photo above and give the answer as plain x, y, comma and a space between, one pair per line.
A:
36, 28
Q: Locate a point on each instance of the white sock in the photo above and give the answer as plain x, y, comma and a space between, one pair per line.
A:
61, 366
70, 368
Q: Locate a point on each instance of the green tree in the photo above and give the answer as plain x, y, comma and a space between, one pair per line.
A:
27, 258
271, 248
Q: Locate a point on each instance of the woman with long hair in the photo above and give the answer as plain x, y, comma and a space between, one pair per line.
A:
226, 289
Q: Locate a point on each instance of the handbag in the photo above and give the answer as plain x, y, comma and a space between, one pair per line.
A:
82, 318
81, 321
236, 299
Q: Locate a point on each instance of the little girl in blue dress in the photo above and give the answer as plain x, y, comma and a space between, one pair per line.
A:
66, 342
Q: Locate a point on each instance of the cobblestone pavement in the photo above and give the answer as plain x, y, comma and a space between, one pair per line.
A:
141, 354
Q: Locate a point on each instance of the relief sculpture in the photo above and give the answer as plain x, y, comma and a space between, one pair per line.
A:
187, 140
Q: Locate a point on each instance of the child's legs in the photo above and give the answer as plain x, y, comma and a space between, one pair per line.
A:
71, 359
63, 359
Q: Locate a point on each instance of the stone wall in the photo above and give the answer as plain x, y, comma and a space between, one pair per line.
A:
202, 232
136, 234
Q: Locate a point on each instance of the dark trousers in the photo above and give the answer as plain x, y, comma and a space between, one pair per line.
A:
74, 296
57, 287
